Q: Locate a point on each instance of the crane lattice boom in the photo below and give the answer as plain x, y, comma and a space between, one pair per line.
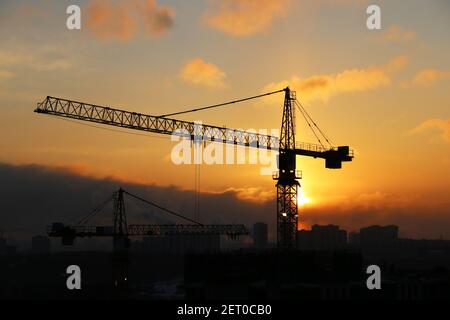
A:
138, 121
232, 230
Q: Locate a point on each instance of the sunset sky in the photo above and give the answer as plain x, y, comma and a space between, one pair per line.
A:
386, 93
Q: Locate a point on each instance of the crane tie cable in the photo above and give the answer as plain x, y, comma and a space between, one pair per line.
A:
303, 110
309, 124
330, 142
162, 208
100, 207
221, 104
95, 211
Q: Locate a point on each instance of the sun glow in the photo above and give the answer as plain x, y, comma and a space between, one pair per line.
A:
302, 199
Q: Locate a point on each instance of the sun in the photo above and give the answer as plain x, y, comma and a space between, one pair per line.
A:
302, 199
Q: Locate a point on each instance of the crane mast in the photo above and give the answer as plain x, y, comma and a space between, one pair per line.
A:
287, 183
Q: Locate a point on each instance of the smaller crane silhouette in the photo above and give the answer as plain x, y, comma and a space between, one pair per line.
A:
121, 232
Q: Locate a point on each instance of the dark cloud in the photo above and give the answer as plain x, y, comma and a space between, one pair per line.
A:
34, 196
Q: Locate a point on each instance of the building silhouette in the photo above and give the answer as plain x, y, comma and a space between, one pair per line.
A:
5, 248
3, 245
329, 237
40, 245
179, 244
375, 235
376, 239
260, 235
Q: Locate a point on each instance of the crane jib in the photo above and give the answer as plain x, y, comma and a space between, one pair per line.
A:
133, 120
194, 131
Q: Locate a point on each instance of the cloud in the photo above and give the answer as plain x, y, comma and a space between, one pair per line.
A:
253, 194
441, 125
107, 20
12, 58
32, 10
419, 220
158, 19
59, 64
199, 72
398, 34
6, 74
34, 196
323, 87
426, 78
242, 18
45, 59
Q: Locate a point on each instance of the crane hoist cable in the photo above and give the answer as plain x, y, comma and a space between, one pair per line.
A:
197, 192
197, 164
222, 104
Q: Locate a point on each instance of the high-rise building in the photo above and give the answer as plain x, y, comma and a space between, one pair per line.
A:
376, 234
329, 237
260, 235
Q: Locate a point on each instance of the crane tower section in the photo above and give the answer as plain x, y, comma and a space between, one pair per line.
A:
287, 184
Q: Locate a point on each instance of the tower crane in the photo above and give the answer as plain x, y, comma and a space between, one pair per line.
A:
286, 145
121, 231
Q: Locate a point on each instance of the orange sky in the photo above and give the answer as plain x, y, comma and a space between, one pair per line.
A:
385, 93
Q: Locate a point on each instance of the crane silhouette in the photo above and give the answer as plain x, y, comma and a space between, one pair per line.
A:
288, 148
